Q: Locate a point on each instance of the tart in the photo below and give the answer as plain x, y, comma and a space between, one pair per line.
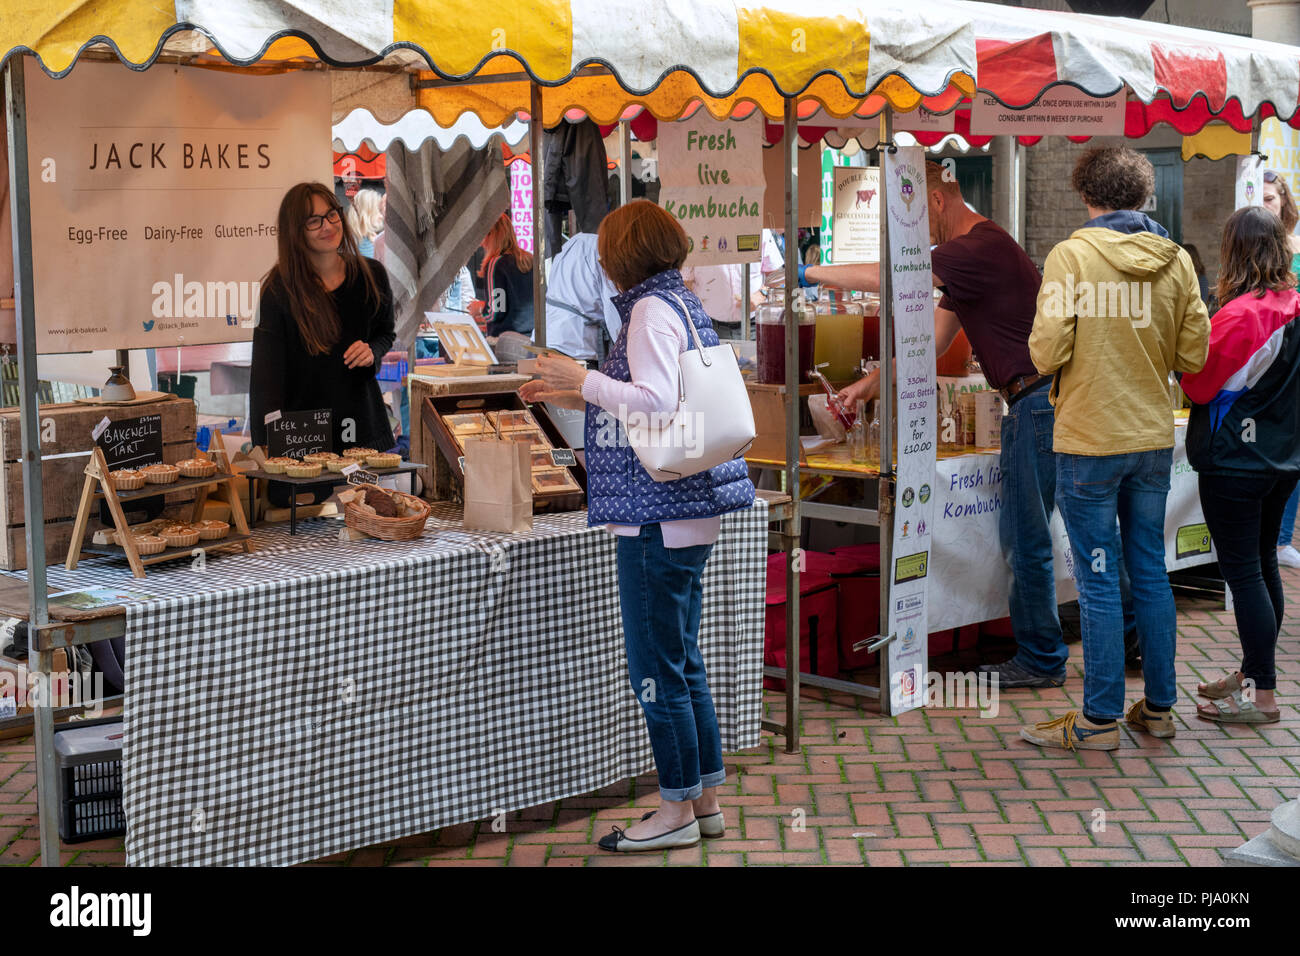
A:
337, 465
179, 536
303, 469
210, 530
360, 453
126, 479
149, 544
324, 457
197, 468
160, 474
276, 466
384, 460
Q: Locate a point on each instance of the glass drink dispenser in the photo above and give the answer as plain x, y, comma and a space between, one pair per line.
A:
771, 337
839, 334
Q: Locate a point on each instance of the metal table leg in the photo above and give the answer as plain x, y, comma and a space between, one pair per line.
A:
293, 510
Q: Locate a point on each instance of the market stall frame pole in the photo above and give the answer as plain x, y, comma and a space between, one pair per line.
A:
886, 489
33, 491
625, 157
793, 556
536, 132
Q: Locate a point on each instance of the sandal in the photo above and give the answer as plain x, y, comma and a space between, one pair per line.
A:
1221, 688
1236, 710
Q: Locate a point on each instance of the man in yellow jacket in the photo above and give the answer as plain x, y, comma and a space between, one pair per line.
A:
1119, 309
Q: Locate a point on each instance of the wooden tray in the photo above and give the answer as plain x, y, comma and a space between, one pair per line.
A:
434, 408
168, 554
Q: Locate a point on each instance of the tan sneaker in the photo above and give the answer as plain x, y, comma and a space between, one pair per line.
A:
1156, 723
1073, 732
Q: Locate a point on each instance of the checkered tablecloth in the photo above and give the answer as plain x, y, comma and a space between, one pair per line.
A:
318, 696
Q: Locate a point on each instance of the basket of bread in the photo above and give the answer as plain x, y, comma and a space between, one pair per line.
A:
387, 515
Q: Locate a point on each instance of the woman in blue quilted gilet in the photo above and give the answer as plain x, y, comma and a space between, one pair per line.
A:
665, 529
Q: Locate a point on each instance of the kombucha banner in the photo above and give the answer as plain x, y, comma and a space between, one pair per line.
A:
913, 305
155, 195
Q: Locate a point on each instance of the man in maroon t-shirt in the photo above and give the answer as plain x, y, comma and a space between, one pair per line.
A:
990, 289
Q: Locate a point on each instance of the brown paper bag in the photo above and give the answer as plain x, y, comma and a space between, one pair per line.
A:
498, 485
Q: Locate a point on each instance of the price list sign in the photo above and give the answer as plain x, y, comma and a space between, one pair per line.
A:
910, 274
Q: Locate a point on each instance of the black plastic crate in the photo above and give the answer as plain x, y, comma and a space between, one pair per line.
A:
89, 755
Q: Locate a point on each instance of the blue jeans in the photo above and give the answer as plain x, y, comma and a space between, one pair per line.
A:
1028, 490
1285, 533
661, 595
1092, 493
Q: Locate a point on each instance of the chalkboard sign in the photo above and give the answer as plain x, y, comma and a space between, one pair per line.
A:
132, 442
563, 456
295, 434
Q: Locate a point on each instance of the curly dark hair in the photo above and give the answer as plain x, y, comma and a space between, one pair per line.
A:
1113, 177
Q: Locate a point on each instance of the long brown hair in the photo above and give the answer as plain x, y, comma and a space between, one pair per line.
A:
1254, 255
310, 304
1290, 215
500, 241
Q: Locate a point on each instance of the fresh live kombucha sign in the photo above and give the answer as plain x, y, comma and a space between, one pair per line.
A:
521, 204
1062, 111
711, 174
155, 197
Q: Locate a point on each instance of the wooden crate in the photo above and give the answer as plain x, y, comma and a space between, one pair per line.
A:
431, 414
62, 478
438, 482
768, 404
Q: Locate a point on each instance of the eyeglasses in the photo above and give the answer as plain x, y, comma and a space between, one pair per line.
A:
1270, 176
316, 223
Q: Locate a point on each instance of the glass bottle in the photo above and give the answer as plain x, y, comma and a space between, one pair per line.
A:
858, 437
873, 435
834, 403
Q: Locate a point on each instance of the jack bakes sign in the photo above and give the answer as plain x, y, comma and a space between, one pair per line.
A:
155, 195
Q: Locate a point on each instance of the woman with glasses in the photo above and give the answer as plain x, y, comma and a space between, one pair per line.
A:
1278, 201
324, 323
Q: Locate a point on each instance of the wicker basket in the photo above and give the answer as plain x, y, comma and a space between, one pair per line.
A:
388, 529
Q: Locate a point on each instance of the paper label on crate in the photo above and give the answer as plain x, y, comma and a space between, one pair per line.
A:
271, 417
99, 429
563, 457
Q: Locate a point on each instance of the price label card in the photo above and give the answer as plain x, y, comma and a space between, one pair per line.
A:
359, 477
131, 442
271, 417
294, 434
99, 429
350, 469
563, 457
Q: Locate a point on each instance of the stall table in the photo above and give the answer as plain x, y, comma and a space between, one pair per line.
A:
970, 579
319, 695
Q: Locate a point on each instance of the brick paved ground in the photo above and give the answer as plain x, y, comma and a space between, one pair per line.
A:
942, 786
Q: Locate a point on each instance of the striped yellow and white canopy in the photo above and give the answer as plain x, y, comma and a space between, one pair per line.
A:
615, 58
600, 56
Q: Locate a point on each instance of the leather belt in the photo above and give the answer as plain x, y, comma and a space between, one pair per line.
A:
1019, 385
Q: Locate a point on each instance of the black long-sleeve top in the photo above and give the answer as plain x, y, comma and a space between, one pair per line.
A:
509, 298
286, 378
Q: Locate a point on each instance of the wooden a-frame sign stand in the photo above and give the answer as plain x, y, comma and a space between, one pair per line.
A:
99, 483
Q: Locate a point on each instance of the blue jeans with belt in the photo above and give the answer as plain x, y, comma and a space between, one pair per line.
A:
661, 594
1093, 493
1028, 491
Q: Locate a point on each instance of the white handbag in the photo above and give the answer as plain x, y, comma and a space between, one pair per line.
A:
713, 422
